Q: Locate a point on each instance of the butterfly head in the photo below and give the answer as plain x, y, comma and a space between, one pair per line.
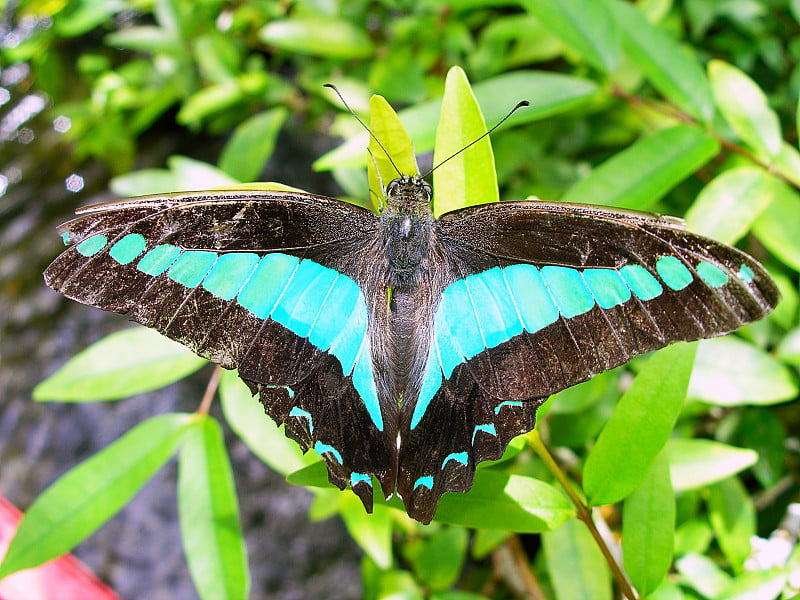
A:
408, 191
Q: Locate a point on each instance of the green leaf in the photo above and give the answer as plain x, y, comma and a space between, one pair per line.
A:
79, 502
745, 107
437, 559
639, 426
730, 372
584, 25
373, 533
397, 146
122, 364
509, 502
209, 101
640, 175
245, 414
145, 38
326, 37
671, 69
469, 178
789, 349
218, 56
576, 566
778, 225
733, 517
550, 93
144, 182
496, 501
251, 144
702, 574
728, 206
698, 463
648, 524
486, 541
693, 535
80, 17
209, 514
192, 175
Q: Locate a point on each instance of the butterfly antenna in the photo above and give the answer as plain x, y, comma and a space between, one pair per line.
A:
476, 140
380, 180
364, 125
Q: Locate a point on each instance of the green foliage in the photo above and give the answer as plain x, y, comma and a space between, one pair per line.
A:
627, 109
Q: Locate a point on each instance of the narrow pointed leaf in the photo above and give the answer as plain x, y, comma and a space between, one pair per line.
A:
745, 107
397, 146
584, 25
731, 372
733, 517
251, 145
122, 364
509, 502
672, 70
698, 463
778, 225
373, 533
648, 525
83, 499
639, 426
640, 175
209, 515
327, 37
469, 178
576, 566
729, 205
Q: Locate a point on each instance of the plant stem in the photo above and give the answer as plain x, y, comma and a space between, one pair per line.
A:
676, 113
583, 512
211, 388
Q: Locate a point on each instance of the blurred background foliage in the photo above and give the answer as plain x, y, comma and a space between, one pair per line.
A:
682, 107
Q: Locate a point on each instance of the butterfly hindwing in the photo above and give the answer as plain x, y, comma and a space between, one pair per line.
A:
262, 282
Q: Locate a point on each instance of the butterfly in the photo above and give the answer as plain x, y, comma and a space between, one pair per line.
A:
400, 346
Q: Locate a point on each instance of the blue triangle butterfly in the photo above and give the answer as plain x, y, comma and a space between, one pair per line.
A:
404, 346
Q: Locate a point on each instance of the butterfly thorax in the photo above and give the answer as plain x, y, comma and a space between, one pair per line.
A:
406, 227
407, 240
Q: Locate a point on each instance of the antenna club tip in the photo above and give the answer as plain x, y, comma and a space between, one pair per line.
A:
522, 103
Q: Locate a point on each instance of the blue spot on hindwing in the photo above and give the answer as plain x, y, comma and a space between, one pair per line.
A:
299, 412
356, 478
364, 382
322, 448
459, 457
426, 481
515, 403
485, 428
